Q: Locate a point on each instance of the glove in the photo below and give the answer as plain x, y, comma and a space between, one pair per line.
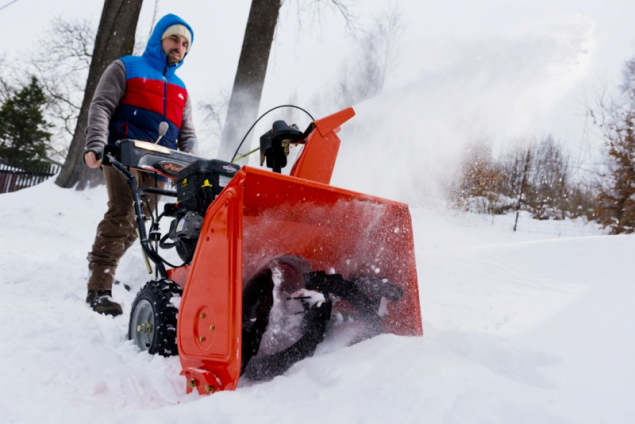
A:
188, 146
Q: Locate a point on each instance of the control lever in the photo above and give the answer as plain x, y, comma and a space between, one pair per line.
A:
188, 145
163, 128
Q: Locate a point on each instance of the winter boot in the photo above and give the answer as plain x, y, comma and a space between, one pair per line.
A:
101, 301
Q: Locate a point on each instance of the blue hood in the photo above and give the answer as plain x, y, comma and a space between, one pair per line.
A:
154, 52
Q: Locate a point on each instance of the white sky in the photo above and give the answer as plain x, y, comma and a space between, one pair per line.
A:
441, 37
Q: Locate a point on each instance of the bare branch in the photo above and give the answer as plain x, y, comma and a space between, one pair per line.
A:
154, 17
365, 75
215, 111
316, 9
61, 60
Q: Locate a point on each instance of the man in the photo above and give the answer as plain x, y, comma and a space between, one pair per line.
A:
133, 96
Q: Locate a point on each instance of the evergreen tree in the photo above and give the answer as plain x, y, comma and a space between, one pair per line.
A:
23, 129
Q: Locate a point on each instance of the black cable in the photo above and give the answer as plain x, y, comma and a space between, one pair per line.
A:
156, 215
156, 252
262, 116
154, 249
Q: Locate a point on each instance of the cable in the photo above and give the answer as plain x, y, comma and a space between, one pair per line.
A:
262, 116
154, 249
168, 263
156, 215
156, 252
246, 154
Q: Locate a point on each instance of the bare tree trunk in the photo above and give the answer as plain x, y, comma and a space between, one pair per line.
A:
250, 75
523, 184
115, 38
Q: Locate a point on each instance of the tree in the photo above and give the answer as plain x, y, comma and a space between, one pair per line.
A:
364, 73
214, 113
23, 130
549, 180
61, 61
5, 87
115, 38
628, 84
616, 202
477, 188
535, 177
251, 72
375, 59
581, 199
616, 199
252, 68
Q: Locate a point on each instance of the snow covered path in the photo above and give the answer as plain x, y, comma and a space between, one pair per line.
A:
518, 328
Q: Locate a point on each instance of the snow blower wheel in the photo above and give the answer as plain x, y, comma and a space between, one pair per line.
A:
283, 322
152, 325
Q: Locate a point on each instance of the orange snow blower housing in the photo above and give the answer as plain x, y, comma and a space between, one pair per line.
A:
290, 254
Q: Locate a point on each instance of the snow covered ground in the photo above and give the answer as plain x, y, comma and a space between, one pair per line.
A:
527, 327
519, 328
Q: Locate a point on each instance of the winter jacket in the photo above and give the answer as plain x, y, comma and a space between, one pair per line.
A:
136, 93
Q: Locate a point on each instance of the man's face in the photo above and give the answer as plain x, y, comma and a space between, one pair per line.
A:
175, 47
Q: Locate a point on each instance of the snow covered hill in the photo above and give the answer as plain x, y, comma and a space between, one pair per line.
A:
519, 328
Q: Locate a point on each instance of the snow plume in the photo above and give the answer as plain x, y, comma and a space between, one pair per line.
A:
406, 143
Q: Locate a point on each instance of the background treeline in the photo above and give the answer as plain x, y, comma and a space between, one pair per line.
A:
542, 179
538, 178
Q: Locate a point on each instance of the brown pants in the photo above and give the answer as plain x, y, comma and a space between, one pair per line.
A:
117, 231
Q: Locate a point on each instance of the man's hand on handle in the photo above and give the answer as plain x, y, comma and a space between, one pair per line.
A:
91, 160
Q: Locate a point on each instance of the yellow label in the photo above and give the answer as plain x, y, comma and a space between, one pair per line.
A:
184, 183
207, 184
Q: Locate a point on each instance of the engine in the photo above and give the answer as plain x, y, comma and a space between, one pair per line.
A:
197, 186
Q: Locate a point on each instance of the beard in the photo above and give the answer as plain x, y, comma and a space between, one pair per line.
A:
172, 58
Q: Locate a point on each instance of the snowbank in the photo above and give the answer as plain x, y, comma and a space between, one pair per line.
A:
519, 327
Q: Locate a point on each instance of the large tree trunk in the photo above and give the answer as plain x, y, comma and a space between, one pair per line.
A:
115, 38
250, 75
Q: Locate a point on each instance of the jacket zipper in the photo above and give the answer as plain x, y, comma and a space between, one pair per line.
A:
165, 91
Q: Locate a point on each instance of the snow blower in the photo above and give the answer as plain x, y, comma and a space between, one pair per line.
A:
273, 265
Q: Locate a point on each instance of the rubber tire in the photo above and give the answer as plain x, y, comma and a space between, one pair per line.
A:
158, 295
257, 305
